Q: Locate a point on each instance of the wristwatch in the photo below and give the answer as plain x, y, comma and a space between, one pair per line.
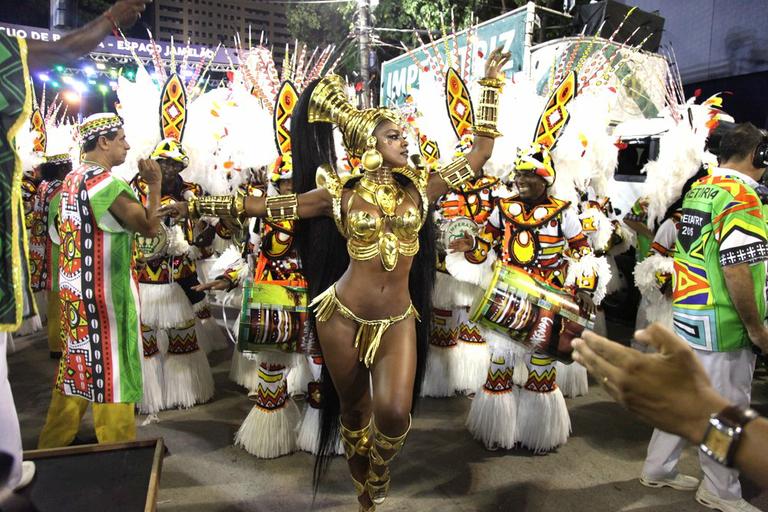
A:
724, 432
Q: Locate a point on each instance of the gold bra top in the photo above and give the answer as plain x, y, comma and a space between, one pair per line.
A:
386, 233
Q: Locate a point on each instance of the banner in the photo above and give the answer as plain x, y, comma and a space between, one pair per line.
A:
119, 47
401, 73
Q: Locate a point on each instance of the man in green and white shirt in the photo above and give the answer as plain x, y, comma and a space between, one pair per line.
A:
719, 303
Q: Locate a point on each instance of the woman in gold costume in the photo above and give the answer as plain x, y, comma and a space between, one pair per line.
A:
366, 300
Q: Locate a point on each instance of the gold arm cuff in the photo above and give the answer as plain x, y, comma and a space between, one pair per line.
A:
495, 83
215, 206
282, 207
457, 172
487, 113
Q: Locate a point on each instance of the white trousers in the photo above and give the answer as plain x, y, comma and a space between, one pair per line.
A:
731, 375
10, 435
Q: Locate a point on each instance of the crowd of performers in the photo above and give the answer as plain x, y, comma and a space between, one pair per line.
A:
366, 278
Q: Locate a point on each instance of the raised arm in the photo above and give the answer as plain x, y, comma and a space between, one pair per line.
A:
44, 54
471, 165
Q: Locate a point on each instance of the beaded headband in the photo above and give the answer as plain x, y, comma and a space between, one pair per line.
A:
99, 124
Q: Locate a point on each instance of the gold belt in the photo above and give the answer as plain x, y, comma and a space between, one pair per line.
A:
369, 332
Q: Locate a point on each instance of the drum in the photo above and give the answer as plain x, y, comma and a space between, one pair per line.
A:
530, 312
273, 316
150, 248
453, 229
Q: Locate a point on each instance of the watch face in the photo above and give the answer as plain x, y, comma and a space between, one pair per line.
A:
718, 442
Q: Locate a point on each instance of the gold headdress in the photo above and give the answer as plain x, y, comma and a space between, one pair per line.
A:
329, 104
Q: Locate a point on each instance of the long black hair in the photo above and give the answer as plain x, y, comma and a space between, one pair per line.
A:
324, 258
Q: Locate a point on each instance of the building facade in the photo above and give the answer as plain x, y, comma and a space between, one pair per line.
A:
208, 22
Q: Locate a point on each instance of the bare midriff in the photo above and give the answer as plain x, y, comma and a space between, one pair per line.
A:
372, 292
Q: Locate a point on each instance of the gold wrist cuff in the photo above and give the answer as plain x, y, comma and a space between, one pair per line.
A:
457, 172
486, 131
238, 205
214, 206
495, 83
487, 113
282, 207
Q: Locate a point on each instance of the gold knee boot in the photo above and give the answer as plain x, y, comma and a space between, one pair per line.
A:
383, 450
357, 443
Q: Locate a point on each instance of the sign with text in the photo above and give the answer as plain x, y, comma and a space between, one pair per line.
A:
401, 73
122, 47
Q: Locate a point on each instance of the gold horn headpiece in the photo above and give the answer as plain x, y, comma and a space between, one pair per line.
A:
329, 104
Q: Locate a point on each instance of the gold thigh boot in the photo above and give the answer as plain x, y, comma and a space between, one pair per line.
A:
357, 443
383, 450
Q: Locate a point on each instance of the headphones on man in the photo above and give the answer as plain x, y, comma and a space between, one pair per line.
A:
760, 161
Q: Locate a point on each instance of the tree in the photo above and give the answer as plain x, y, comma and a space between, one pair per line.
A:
325, 25
322, 24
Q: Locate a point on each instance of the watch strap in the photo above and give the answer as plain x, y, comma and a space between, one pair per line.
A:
736, 417
726, 427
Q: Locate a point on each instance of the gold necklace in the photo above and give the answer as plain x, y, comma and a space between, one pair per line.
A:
381, 189
383, 176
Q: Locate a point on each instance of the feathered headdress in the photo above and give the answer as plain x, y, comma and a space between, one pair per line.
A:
286, 101
536, 157
166, 96
51, 136
681, 147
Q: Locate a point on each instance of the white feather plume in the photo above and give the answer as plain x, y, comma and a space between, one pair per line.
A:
680, 157
519, 111
586, 154
432, 117
590, 265
25, 148
139, 107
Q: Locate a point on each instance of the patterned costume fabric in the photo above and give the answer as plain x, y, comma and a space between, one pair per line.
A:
15, 109
99, 298
453, 370
43, 253
535, 238
172, 268
272, 391
271, 332
181, 377
274, 306
722, 225
29, 188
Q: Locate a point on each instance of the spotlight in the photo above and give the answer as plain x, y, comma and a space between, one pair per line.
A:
71, 97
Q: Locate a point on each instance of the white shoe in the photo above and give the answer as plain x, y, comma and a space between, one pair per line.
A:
680, 482
709, 500
27, 474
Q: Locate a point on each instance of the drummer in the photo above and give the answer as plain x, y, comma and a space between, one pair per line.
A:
271, 331
182, 377
542, 235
